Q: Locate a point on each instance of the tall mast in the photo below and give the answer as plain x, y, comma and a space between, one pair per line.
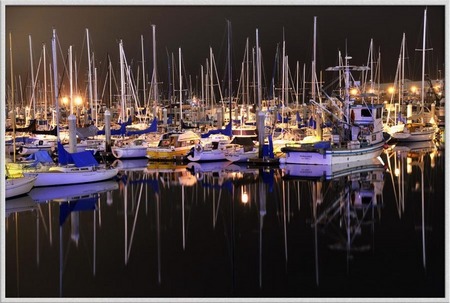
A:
33, 103
122, 82
89, 71
55, 81
181, 87
423, 55
71, 80
143, 68
313, 69
258, 70
229, 68
45, 83
155, 82
13, 107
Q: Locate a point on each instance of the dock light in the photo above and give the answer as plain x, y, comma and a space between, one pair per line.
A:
414, 89
391, 90
78, 100
354, 91
65, 100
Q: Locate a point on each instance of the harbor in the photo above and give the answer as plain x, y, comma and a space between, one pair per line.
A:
145, 165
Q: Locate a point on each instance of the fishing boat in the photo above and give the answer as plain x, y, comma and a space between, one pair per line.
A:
241, 149
19, 186
135, 148
173, 146
211, 149
73, 168
357, 132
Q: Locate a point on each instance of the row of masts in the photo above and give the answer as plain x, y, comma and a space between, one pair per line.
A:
131, 95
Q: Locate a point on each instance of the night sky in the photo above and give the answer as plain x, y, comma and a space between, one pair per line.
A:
195, 28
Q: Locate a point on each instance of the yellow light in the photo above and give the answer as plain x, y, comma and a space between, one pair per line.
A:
78, 101
353, 91
397, 172
391, 90
65, 100
244, 197
414, 89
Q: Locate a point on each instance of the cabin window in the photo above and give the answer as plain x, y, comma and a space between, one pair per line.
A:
366, 112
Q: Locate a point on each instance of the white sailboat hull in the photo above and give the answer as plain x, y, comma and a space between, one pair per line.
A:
73, 175
331, 156
129, 152
19, 186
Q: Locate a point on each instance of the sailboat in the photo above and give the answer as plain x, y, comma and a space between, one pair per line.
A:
73, 168
18, 186
357, 133
416, 128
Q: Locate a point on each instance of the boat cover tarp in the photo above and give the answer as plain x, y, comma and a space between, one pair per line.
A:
323, 144
268, 148
227, 131
84, 158
80, 159
41, 156
115, 132
151, 129
86, 132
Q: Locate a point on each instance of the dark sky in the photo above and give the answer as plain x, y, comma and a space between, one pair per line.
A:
195, 28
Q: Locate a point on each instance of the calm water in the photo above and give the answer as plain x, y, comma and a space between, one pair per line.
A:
220, 230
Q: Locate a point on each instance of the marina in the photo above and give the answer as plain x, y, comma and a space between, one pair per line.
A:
151, 166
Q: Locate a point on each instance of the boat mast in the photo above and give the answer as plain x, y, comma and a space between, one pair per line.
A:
229, 69
12, 99
143, 67
55, 82
155, 82
122, 83
45, 83
89, 71
181, 86
33, 103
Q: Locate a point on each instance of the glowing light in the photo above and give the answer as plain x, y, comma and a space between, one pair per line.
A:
78, 100
244, 197
65, 100
354, 91
391, 90
414, 89
397, 172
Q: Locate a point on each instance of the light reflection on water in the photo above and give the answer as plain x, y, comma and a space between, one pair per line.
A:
227, 230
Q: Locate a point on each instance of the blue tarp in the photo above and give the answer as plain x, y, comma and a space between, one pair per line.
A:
84, 158
227, 131
323, 144
64, 157
80, 159
121, 131
151, 129
41, 156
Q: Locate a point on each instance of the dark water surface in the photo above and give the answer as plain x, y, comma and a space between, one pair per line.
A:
168, 230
